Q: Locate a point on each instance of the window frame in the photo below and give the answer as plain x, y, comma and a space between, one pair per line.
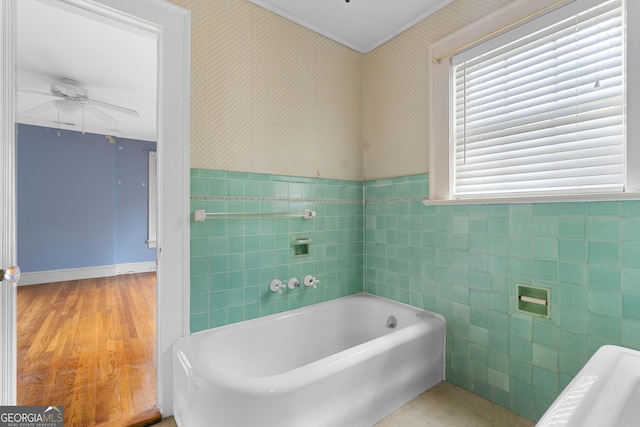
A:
440, 78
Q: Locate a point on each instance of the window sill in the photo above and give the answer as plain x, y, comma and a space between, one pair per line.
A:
537, 199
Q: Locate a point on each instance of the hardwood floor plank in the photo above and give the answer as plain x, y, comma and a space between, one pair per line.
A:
89, 345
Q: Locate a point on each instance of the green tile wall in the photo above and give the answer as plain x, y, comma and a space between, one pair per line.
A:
464, 262
461, 261
234, 260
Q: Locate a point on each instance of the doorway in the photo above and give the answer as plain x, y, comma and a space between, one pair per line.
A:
86, 114
172, 24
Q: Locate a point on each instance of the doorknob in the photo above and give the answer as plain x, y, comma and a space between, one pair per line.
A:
11, 274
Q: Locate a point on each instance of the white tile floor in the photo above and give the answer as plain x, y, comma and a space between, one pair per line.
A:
445, 405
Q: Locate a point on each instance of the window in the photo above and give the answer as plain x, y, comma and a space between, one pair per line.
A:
538, 110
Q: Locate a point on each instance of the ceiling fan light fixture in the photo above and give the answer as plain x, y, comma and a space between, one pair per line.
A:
67, 106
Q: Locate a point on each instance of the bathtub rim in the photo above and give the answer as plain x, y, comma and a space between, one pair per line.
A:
285, 382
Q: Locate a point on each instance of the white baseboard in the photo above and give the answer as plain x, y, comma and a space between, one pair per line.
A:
52, 276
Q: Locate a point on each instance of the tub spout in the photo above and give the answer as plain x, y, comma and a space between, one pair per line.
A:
392, 322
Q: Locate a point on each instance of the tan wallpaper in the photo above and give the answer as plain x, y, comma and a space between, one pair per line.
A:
270, 96
396, 92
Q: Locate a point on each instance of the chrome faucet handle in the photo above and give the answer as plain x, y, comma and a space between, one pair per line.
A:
310, 280
294, 283
276, 286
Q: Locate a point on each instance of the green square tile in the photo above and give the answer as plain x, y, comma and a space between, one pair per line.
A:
498, 379
604, 208
252, 311
498, 264
235, 279
603, 253
542, 399
606, 327
574, 320
520, 247
573, 250
218, 282
545, 333
545, 357
499, 303
545, 248
572, 228
520, 349
200, 285
603, 302
545, 226
571, 209
545, 270
235, 297
199, 303
199, 187
542, 209
521, 267
570, 364
604, 277
573, 342
631, 280
218, 187
630, 208
498, 245
218, 300
545, 378
603, 229
520, 209
520, 388
218, 318
478, 225
572, 296
520, 226
235, 262
499, 342
498, 322
497, 226
631, 307
498, 284
236, 314
573, 273
236, 187
630, 229
630, 255
521, 326
199, 322
199, 266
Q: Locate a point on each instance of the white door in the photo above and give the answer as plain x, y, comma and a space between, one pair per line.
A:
172, 24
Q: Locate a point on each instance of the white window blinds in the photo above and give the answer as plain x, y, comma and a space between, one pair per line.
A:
540, 109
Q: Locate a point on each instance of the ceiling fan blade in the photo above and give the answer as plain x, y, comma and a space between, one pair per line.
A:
99, 114
114, 107
37, 92
39, 109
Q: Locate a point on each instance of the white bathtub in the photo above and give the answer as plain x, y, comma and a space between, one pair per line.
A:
330, 364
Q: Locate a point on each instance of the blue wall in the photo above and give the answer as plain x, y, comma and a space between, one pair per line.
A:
81, 199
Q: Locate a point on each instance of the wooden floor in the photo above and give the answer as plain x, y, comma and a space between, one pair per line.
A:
89, 345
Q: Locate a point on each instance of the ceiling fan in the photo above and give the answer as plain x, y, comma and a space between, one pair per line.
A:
71, 98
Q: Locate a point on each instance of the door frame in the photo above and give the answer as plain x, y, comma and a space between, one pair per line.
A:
173, 27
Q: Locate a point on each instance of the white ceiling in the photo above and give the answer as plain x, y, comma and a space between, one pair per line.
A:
117, 64
362, 25
114, 63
